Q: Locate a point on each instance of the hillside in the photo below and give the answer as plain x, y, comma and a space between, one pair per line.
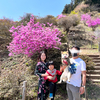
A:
93, 5
14, 70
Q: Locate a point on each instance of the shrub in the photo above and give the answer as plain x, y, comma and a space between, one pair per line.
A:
68, 21
88, 61
32, 38
48, 19
27, 64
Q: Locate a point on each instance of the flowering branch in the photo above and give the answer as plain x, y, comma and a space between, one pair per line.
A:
33, 37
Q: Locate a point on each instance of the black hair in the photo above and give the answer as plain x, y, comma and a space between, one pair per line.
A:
78, 48
50, 63
39, 58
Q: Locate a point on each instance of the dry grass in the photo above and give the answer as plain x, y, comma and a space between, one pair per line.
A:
20, 67
89, 52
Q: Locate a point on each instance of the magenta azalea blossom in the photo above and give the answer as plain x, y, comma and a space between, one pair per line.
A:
90, 21
85, 17
61, 16
33, 37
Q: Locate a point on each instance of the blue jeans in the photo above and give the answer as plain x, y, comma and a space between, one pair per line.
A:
52, 89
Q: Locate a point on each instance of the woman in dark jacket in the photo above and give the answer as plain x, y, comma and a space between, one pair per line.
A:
41, 68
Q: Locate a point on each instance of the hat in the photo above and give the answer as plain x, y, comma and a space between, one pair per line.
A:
65, 62
50, 63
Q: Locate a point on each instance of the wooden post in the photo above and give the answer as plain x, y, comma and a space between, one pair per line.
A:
99, 46
91, 44
24, 90
85, 94
75, 42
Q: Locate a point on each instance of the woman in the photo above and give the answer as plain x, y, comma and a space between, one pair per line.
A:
41, 68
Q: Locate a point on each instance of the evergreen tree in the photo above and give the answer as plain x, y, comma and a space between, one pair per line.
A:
69, 7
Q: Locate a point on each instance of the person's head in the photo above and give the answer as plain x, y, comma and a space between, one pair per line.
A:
75, 51
42, 56
51, 65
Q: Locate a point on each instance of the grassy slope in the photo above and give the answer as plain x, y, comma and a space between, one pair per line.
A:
19, 67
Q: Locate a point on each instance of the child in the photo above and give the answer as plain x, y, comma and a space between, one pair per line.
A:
50, 75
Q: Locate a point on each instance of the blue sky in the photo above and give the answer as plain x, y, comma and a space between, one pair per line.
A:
14, 9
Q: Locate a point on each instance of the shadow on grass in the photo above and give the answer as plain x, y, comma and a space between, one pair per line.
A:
92, 91
61, 93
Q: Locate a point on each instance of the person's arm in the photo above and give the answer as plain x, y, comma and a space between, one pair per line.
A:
61, 68
58, 72
37, 70
83, 78
82, 88
83, 70
44, 75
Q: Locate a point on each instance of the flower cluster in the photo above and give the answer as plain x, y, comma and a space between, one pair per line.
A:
85, 17
33, 37
91, 22
61, 16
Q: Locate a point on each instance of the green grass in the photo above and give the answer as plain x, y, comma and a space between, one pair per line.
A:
89, 46
89, 52
93, 91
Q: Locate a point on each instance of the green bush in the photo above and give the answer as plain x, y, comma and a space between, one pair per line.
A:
63, 38
52, 54
88, 61
68, 21
48, 19
26, 64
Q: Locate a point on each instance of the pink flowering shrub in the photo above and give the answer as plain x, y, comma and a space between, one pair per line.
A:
33, 37
61, 16
85, 17
91, 22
